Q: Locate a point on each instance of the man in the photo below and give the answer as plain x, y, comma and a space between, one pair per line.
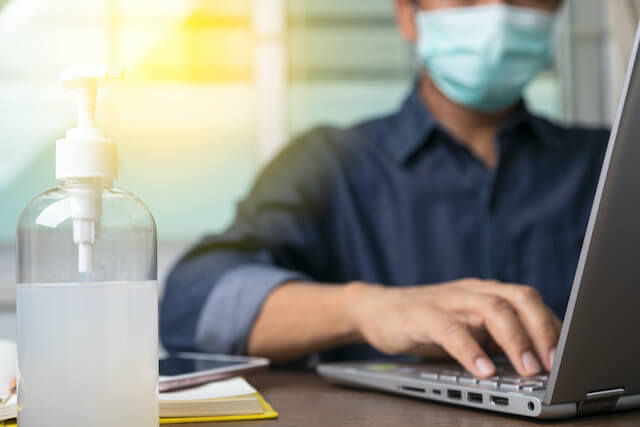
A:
413, 234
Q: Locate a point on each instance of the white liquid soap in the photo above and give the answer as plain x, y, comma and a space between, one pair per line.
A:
94, 362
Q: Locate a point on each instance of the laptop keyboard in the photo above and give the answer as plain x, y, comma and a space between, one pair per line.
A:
506, 380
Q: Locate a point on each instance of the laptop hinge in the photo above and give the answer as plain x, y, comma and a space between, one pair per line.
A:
600, 401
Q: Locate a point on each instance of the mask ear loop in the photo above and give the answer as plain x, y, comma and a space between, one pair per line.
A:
416, 7
556, 32
416, 60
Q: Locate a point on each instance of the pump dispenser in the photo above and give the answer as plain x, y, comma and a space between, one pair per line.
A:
86, 286
86, 154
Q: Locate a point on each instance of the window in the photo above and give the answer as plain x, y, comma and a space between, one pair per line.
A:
215, 88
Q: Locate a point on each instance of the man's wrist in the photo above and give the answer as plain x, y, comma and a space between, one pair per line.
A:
355, 297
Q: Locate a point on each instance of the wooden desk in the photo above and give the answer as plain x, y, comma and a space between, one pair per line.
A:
307, 400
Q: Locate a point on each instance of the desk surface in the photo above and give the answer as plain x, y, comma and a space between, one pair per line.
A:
304, 400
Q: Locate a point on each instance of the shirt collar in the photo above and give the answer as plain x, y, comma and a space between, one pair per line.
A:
413, 126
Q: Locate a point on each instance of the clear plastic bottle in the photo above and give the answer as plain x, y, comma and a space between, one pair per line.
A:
87, 302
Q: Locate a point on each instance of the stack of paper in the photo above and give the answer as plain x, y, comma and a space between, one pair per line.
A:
9, 409
231, 399
8, 371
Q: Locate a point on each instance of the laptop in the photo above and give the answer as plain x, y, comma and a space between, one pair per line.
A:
597, 364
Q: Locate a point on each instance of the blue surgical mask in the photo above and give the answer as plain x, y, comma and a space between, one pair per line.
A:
483, 56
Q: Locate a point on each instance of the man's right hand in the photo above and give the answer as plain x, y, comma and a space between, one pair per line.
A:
458, 319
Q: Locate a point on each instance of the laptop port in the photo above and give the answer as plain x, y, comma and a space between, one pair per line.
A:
498, 400
474, 397
436, 391
454, 394
413, 389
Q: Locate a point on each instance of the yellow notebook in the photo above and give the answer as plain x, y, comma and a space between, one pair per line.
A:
267, 413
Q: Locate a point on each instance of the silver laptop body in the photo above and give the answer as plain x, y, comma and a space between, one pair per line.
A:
597, 365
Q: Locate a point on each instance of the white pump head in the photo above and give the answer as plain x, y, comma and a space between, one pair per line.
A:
86, 152
86, 156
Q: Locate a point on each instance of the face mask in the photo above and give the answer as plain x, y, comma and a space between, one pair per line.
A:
483, 56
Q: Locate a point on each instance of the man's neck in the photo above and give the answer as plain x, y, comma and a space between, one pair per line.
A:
476, 130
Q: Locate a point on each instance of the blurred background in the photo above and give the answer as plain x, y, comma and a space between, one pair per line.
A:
216, 87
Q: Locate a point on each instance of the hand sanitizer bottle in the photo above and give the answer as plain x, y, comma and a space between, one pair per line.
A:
87, 291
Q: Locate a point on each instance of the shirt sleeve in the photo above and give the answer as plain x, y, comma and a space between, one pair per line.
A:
231, 308
214, 293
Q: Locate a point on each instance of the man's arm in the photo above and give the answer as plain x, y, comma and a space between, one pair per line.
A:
300, 318
454, 318
253, 285
213, 294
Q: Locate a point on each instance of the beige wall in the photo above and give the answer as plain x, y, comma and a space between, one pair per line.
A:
622, 18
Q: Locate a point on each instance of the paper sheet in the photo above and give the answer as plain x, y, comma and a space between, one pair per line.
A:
8, 366
226, 388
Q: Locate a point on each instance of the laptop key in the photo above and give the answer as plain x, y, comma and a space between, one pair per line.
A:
468, 380
511, 380
510, 386
429, 376
447, 378
531, 384
488, 383
533, 388
520, 381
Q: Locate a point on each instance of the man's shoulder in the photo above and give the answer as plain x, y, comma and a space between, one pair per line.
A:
318, 152
326, 142
574, 144
576, 136
317, 160
344, 137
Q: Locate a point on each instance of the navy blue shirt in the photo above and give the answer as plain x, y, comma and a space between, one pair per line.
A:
396, 201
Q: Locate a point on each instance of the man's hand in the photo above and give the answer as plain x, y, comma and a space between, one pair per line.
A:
458, 318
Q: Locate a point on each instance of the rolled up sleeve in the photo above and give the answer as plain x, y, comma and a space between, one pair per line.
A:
228, 314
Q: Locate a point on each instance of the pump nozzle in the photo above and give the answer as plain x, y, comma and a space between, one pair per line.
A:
86, 81
86, 156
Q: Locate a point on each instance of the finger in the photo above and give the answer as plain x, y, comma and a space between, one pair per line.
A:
505, 327
456, 339
539, 321
435, 351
